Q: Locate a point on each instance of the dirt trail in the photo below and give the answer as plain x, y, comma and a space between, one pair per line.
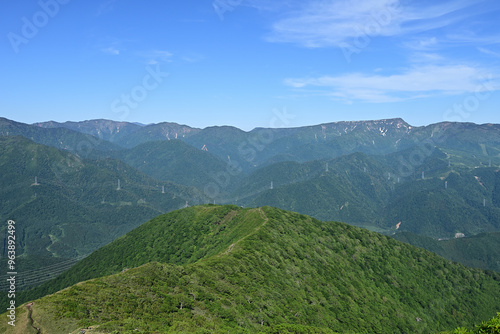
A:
264, 217
30, 316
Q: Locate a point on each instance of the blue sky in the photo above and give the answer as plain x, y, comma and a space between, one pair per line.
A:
250, 63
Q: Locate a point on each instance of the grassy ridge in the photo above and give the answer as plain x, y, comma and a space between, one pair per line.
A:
251, 270
366, 190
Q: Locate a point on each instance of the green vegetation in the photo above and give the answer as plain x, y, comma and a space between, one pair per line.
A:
295, 160
478, 251
174, 161
363, 190
81, 144
108, 130
78, 197
214, 269
345, 193
491, 326
75, 208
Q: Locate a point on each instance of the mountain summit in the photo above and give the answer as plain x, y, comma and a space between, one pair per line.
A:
225, 269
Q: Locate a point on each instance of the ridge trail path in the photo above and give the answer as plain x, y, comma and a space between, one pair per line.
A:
30, 316
264, 217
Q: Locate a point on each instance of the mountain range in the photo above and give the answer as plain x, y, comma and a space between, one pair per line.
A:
437, 181
84, 195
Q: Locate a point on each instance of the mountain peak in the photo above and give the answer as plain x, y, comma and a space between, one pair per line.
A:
228, 269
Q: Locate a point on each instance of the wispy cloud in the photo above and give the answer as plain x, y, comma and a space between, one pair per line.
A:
429, 58
111, 51
422, 44
154, 57
416, 82
331, 23
193, 21
489, 52
266, 5
192, 58
106, 7
465, 38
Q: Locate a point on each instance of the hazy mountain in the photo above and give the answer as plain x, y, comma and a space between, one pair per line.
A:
466, 206
354, 189
74, 207
83, 145
175, 161
226, 269
374, 176
367, 191
325, 141
265, 146
104, 129
478, 251
124, 133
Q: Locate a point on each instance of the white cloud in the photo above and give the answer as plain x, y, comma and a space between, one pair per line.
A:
157, 56
414, 83
266, 5
331, 23
428, 58
192, 58
465, 38
489, 52
423, 44
111, 51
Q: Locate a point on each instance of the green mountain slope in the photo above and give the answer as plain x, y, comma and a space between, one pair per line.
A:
125, 134
466, 205
176, 161
240, 166
345, 193
368, 191
422, 206
182, 237
75, 206
227, 269
104, 129
280, 174
83, 145
478, 251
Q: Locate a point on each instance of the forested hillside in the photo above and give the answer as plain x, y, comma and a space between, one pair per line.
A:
437, 181
477, 251
224, 268
66, 206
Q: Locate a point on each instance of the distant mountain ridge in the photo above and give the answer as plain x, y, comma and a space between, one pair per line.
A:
59, 137
264, 145
125, 134
366, 173
100, 128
